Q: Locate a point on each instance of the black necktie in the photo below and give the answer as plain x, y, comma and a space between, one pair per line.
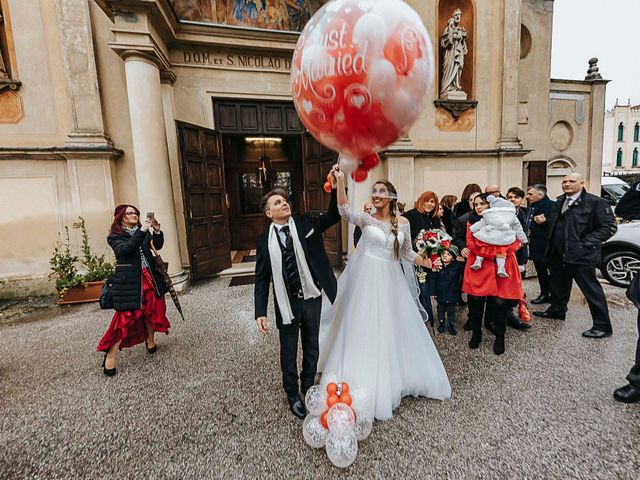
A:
288, 241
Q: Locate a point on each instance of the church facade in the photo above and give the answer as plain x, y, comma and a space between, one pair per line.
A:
184, 108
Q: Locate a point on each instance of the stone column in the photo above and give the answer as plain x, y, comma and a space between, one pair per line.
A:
594, 163
149, 139
511, 57
87, 128
167, 77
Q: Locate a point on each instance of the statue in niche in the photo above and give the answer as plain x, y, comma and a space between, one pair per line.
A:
3, 68
454, 44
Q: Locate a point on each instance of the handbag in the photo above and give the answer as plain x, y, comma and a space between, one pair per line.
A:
106, 296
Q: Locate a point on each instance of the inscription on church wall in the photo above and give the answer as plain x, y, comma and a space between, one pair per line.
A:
233, 61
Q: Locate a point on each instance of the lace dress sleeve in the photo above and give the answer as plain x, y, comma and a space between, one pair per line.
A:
406, 249
360, 219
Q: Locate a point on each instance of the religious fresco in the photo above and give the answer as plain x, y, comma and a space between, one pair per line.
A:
268, 14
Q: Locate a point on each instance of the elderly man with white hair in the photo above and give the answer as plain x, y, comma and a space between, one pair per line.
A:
580, 223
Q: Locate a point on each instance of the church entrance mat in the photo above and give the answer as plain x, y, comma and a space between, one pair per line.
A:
242, 280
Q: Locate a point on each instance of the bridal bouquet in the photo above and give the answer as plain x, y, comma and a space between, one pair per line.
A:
431, 243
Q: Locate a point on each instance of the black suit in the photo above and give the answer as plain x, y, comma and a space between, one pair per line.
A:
538, 235
633, 293
306, 312
574, 251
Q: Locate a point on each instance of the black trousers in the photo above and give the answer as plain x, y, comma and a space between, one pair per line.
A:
634, 373
492, 309
306, 324
449, 309
561, 279
542, 269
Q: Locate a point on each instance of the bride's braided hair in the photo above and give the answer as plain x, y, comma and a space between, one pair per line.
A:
393, 209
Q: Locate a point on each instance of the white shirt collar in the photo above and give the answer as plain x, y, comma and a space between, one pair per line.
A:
574, 197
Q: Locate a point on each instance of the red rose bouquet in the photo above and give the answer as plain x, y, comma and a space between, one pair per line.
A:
431, 243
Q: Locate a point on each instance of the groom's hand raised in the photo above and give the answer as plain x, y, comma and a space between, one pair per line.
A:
262, 324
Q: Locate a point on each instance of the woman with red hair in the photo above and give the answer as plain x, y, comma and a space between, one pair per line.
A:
137, 287
425, 215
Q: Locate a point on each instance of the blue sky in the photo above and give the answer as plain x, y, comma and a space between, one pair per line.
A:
609, 30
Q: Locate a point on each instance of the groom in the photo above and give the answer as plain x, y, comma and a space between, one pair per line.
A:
291, 254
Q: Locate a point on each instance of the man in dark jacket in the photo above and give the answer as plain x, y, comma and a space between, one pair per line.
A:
628, 208
630, 393
291, 255
516, 196
540, 206
580, 223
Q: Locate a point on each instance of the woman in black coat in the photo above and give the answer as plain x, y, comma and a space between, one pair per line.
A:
424, 216
463, 206
137, 287
446, 212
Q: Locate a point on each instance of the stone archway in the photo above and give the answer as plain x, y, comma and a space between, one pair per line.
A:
557, 168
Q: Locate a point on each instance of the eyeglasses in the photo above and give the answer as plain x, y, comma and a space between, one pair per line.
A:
131, 214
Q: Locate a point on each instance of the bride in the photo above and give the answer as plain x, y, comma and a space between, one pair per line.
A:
373, 335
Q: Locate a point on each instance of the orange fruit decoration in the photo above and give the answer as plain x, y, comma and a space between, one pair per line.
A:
345, 388
332, 400
332, 389
345, 398
323, 420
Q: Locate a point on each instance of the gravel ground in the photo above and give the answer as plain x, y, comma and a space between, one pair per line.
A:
209, 404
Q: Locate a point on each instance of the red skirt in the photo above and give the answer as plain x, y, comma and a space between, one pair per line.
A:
129, 326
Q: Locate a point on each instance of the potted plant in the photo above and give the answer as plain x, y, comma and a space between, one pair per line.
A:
71, 285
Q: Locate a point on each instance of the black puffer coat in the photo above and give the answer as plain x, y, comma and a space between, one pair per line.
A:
126, 282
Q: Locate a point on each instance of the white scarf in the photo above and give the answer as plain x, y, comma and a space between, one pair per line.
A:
309, 289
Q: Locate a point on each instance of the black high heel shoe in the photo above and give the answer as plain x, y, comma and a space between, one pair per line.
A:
151, 350
109, 372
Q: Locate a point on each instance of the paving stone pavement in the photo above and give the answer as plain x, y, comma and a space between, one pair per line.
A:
209, 404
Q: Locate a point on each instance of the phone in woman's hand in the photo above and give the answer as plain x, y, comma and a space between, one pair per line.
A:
151, 217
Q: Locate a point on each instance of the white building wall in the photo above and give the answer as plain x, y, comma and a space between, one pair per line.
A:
629, 116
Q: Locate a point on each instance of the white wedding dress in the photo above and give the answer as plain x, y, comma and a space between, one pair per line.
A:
374, 333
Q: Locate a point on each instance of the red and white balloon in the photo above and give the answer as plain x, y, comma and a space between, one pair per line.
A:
360, 71
337, 419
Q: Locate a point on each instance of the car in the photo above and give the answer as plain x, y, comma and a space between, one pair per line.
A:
612, 189
621, 255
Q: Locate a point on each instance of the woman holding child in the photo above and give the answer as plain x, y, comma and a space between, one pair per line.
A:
491, 282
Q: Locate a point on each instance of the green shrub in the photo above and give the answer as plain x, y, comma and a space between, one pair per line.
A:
64, 265
97, 268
